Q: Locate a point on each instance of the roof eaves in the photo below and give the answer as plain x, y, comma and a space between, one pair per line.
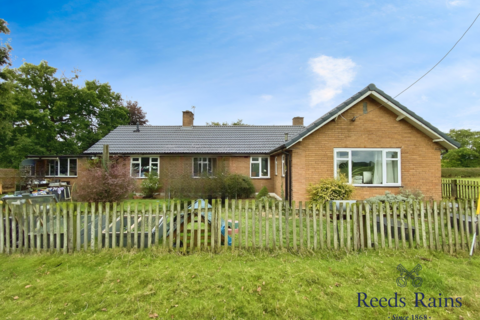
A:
371, 87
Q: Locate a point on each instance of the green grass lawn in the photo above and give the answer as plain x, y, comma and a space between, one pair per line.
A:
117, 284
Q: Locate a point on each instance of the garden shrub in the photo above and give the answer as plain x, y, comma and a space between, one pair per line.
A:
409, 196
460, 172
262, 193
237, 186
150, 185
331, 189
99, 184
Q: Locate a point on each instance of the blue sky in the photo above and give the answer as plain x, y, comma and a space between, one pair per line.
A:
261, 61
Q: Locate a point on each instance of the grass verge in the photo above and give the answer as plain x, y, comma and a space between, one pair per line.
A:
241, 285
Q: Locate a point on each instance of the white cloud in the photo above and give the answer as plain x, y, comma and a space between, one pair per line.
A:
266, 97
456, 2
334, 74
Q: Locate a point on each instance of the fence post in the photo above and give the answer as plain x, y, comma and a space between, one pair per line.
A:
315, 234
121, 232
179, 217
1, 228
240, 227
453, 188
135, 227
157, 224
287, 227
184, 226
78, 218
280, 218
107, 225
307, 217
164, 225
349, 231
114, 226
32, 229
192, 225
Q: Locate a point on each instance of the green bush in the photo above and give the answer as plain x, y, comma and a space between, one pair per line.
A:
460, 172
331, 189
150, 185
405, 195
262, 193
237, 186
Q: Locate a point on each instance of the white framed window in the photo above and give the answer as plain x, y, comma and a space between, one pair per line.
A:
204, 166
65, 167
283, 165
369, 167
276, 166
259, 167
139, 166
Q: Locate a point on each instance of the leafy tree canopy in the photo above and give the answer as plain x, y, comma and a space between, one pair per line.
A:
52, 115
468, 155
239, 122
136, 113
468, 138
461, 158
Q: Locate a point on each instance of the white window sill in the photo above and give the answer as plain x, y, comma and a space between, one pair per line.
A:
260, 177
61, 176
378, 185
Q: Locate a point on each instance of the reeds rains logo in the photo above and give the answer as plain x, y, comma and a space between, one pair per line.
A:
395, 301
402, 281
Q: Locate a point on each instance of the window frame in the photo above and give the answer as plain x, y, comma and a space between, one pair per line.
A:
260, 167
57, 161
208, 158
283, 165
140, 163
276, 165
384, 165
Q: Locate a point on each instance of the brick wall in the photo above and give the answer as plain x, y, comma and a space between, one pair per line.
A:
420, 158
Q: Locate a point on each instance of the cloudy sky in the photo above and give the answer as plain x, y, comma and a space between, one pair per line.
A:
261, 61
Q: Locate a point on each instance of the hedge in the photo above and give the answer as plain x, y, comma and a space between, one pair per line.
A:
460, 172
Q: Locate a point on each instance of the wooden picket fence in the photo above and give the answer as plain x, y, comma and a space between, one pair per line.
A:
460, 189
68, 227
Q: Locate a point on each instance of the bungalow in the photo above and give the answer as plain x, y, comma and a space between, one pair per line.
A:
378, 143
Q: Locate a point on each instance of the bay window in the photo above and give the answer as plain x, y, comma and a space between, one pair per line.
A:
139, 166
204, 166
62, 167
369, 167
259, 167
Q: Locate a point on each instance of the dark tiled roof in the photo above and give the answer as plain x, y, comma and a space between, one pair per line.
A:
196, 139
371, 87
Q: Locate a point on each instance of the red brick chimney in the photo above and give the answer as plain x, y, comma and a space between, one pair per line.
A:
187, 119
297, 121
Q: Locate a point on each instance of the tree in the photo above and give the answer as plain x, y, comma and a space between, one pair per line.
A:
468, 155
55, 116
461, 158
467, 138
239, 122
136, 113
6, 108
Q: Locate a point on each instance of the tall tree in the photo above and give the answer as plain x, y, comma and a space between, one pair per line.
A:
468, 155
7, 110
239, 122
467, 138
136, 113
55, 116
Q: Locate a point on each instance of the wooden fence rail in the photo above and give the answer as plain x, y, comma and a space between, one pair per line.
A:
68, 227
460, 189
